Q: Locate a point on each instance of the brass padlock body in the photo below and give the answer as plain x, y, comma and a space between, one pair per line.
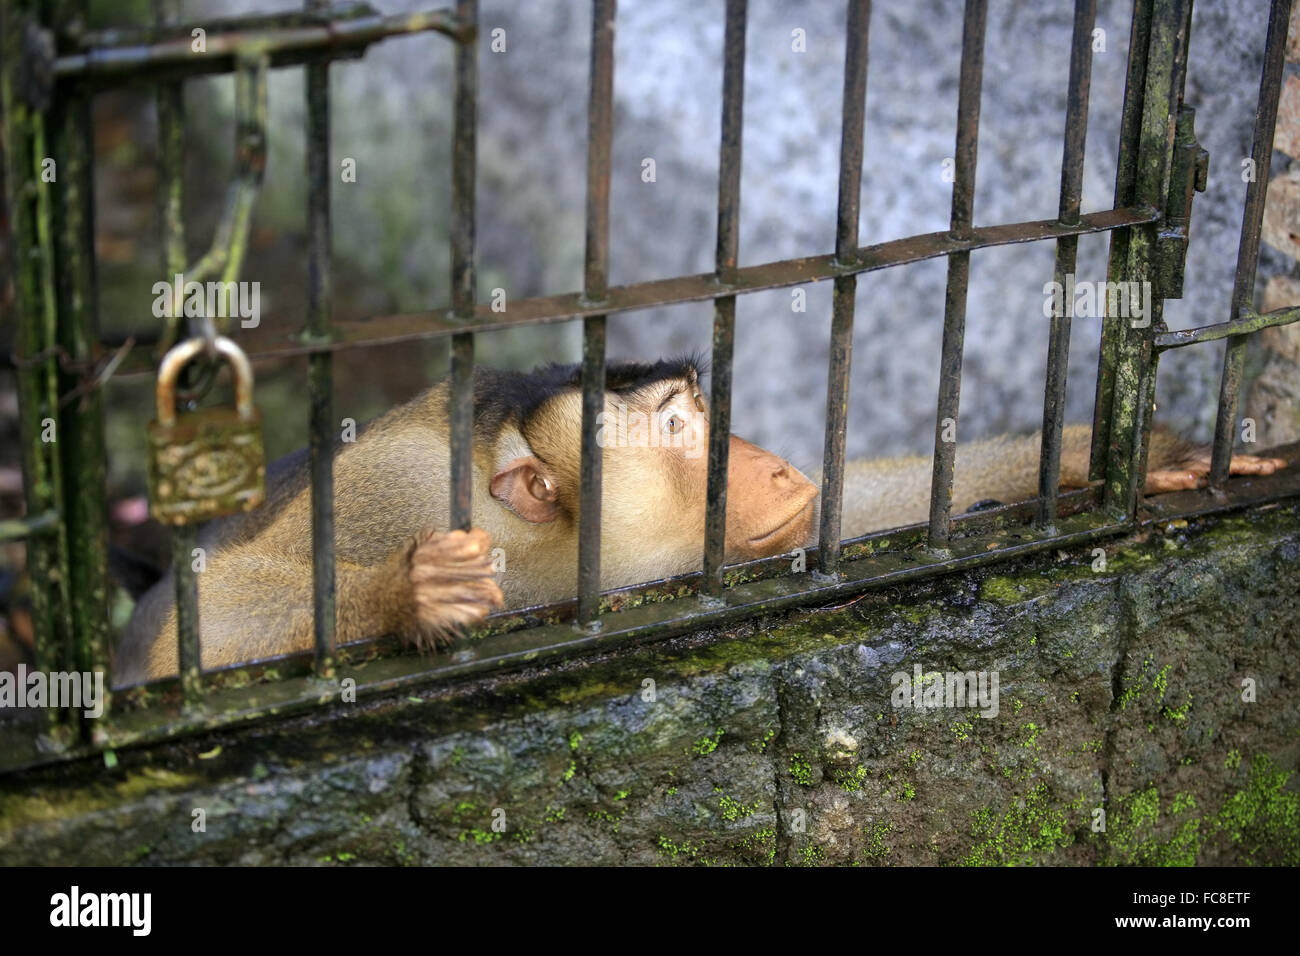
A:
208, 463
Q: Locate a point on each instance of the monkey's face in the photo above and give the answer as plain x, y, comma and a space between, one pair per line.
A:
655, 439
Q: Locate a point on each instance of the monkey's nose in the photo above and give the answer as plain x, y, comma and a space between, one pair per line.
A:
783, 476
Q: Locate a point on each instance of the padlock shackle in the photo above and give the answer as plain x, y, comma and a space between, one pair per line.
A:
180, 355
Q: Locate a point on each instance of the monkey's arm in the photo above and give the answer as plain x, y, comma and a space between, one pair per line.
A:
889, 493
255, 603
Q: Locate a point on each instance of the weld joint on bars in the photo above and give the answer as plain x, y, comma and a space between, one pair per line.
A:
1250, 321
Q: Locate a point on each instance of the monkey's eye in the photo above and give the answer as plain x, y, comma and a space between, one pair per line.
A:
674, 423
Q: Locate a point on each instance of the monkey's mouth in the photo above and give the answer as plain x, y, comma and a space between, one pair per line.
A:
796, 525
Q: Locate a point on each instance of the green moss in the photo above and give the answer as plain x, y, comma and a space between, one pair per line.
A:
800, 770
875, 852
706, 745
732, 809
812, 855
961, 729
1032, 730
1178, 714
1264, 815
762, 841
673, 850
1233, 760
760, 745
1028, 832
851, 780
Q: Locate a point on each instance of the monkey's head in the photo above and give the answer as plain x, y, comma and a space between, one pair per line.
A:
654, 433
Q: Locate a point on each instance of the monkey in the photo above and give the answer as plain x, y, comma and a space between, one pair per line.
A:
894, 492
401, 570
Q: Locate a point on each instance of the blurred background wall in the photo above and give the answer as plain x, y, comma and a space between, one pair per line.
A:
392, 115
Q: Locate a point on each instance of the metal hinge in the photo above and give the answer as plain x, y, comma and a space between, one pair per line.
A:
1188, 174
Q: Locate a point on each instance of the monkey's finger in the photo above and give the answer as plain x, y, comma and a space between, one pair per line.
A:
1254, 465
1159, 482
432, 570
459, 592
451, 545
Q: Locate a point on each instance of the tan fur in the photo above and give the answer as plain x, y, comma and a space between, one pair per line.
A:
890, 493
399, 571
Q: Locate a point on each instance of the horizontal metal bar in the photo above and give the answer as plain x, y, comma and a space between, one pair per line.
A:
556, 642
413, 326
1251, 321
877, 560
347, 32
15, 529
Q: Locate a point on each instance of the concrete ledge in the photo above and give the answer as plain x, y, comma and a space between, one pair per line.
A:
1119, 690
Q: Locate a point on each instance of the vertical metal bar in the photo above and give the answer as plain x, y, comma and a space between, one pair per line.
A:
460, 400
84, 464
32, 257
184, 538
600, 117
1134, 356
1252, 218
1067, 251
724, 309
1130, 136
954, 315
843, 298
320, 370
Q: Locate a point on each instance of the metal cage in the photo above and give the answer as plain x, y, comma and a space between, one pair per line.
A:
49, 77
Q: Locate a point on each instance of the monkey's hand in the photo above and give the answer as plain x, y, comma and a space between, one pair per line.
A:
1193, 472
452, 584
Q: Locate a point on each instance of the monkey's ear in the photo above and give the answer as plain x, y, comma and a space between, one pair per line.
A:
524, 489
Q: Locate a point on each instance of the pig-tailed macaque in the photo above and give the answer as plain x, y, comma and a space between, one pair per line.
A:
399, 570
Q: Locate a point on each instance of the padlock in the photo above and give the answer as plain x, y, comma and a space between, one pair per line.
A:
210, 462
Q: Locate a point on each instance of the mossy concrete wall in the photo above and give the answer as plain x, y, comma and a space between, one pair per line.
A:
1127, 689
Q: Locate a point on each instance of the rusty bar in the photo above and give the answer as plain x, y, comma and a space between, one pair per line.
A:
724, 315
1250, 321
1252, 218
184, 538
464, 162
1130, 133
83, 463
414, 326
954, 312
856, 36
168, 53
600, 122
1134, 355
1067, 250
31, 256
320, 372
